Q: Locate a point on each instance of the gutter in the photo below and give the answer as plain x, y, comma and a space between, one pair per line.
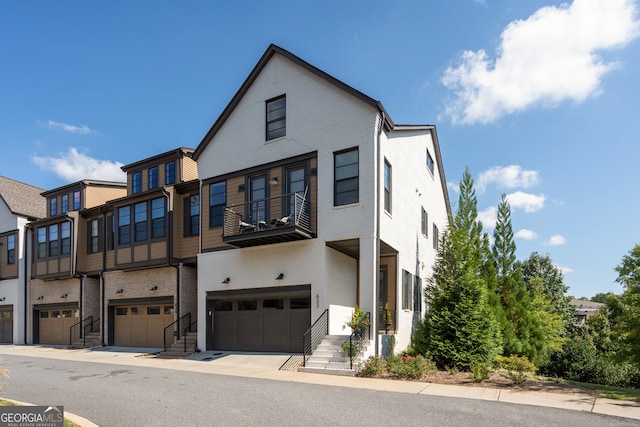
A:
25, 260
377, 236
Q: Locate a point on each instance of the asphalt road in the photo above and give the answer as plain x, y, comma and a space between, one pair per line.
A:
117, 395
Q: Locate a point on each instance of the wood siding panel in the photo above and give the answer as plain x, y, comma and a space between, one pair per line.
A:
189, 169
96, 196
159, 250
65, 265
124, 256
140, 253
9, 270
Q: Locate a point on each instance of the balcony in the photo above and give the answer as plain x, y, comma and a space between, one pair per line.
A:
283, 218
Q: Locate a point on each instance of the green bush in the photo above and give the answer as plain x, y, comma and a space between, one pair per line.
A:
516, 368
374, 366
480, 371
410, 367
348, 345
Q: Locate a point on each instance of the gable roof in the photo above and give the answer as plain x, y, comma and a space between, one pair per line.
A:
266, 57
23, 199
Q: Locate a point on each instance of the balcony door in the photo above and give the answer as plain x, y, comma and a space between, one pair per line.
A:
257, 199
295, 185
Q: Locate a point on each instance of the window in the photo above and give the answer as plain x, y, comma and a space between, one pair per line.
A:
417, 294
424, 223
53, 240
76, 200
42, 242
124, 225
157, 217
407, 290
170, 173
295, 186
387, 186
276, 118
192, 205
346, 185
436, 237
430, 164
258, 199
247, 305
64, 203
53, 206
140, 221
153, 177
65, 238
217, 200
11, 249
153, 310
136, 182
93, 246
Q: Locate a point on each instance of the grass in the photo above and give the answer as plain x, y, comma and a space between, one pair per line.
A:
67, 423
609, 392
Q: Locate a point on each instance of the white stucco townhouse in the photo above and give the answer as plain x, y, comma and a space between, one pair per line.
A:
313, 201
20, 204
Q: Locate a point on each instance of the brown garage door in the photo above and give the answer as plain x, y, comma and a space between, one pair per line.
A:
141, 325
261, 323
55, 324
6, 326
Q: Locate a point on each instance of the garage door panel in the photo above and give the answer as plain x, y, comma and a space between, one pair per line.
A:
261, 323
54, 325
142, 325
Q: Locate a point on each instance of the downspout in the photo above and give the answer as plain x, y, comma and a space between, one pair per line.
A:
377, 238
25, 261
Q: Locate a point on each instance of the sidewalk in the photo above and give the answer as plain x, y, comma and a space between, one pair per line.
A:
267, 366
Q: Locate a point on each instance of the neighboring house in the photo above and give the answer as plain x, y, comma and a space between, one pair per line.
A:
19, 204
584, 310
59, 293
115, 263
313, 200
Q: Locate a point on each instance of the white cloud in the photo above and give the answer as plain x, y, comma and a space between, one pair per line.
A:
453, 187
507, 177
525, 234
75, 166
563, 269
556, 240
488, 217
82, 129
526, 201
544, 60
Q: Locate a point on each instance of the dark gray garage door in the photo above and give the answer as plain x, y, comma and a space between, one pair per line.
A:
6, 325
271, 322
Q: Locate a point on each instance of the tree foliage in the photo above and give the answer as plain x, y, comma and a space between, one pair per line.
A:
626, 328
460, 327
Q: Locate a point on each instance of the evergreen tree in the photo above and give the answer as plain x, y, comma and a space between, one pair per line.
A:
627, 327
541, 275
522, 333
460, 327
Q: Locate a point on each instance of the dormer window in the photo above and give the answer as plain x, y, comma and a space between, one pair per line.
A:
53, 206
136, 182
276, 117
170, 173
153, 177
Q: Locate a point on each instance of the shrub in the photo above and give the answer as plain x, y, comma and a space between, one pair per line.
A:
480, 371
374, 366
516, 368
348, 345
409, 367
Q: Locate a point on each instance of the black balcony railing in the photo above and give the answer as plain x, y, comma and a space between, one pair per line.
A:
271, 220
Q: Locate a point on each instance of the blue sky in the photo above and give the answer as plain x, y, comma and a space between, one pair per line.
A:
538, 98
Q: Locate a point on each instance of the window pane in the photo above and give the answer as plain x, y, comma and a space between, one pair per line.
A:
135, 311
168, 309
153, 310
121, 311
53, 240
248, 305
346, 183
276, 118
136, 182
153, 177
44, 314
217, 201
170, 173
53, 206
64, 203
124, 225
273, 304
76, 200
157, 217
140, 214
300, 303
223, 306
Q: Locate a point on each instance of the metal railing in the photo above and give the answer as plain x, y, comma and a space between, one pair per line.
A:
291, 209
190, 343
314, 336
174, 331
360, 335
80, 329
386, 320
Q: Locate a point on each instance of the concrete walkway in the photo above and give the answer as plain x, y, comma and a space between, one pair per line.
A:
267, 366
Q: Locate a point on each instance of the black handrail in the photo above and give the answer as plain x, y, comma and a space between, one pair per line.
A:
314, 336
358, 337
175, 329
76, 330
191, 328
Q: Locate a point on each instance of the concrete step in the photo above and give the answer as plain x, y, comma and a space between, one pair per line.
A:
327, 371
